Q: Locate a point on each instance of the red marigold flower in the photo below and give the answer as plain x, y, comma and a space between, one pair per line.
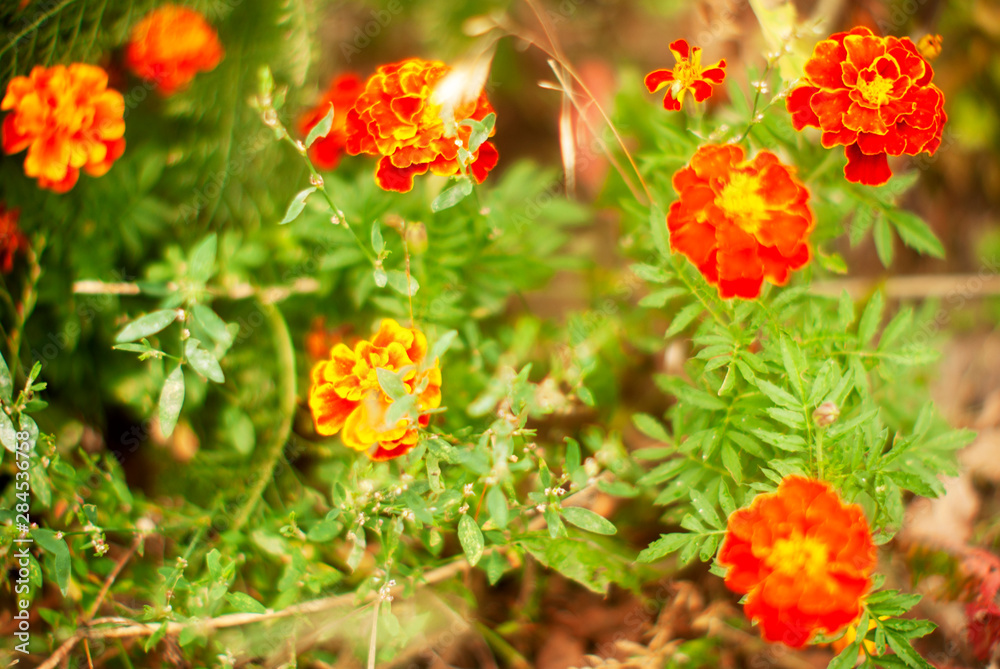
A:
740, 221
68, 119
12, 239
874, 96
396, 118
342, 94
803, 557
170, 45
346, 397
687, 75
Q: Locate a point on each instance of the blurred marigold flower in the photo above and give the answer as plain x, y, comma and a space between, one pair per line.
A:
395, 118
68, 119
687, 75
12, 239
740, 221
346, 397
343, 92
803, 557
170, 45
874, 96
929, 46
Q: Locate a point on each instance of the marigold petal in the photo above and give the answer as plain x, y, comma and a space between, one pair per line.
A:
715, 74
798, 105
863, 50
486, 159
680, 49
701, 90
823, 68
864, 169
657, 79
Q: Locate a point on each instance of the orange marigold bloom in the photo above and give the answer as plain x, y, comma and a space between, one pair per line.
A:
687, 75
12, 239
929, 46
170, 45
803, 557
740, 221
396, 118
874, 96
68, 119
342, 94
346, 397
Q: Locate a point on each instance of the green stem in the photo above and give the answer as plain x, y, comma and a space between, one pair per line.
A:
261, 476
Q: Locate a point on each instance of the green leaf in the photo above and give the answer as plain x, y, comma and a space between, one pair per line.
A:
8, 435
452, 196
297, 205
401, 283
871, 318
6, 383
171, 401
213, 325
586, 519
705, 509
731, 461
201, 262
915, 233
658, 227
864, 217
321, 129
203, 361
244, 603
779, 396
496, 503
683, 318
480, 130
650, 427
155, 637
845, 310
391, 384
378, 244
665, 545
883, 241
471, 538
147, 325
442, 345
57, 547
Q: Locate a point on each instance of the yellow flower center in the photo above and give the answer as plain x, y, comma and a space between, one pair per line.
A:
797, 555
876, 91
742, 201
686, 73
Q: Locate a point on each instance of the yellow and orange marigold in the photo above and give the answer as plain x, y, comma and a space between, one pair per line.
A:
68, 119
740, 221
346, 397
687, 75
12, 239
396, 118
872, 95
804, 559
342, 94
170, 45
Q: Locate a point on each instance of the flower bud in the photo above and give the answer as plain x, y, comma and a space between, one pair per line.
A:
826, 414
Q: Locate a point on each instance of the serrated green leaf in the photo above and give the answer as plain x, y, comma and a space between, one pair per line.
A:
883, 241
665, 545
871, 318
650, 427
683, 318
915, 233
705, 509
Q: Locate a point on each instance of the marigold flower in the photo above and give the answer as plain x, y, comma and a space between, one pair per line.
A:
687, 75
396, 118
346, 397
874, 96
12, 239
929, 46
68, 119
170, 45
803, 557
342, 94
740, 222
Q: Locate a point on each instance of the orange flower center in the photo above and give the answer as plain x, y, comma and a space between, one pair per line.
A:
875, 91
741, 200
797, 555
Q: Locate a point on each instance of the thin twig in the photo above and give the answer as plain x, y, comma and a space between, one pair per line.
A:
111, 578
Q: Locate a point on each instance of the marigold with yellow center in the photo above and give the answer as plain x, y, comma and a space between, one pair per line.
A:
740, 221
170, 45
12, 239
395, 117
687, 75
872, 95
68, 119
345, 395
804, 559
342, 94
